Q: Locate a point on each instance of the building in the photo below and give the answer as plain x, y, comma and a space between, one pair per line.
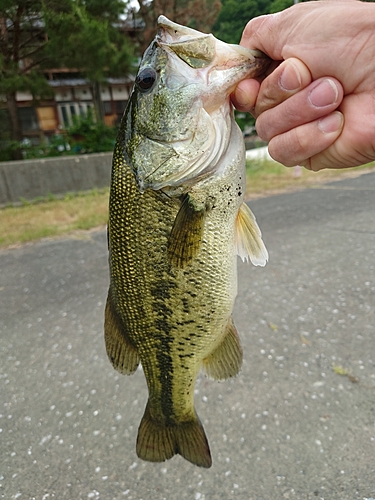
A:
73, 96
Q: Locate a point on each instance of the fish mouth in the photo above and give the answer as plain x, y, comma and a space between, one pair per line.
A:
174, 30
194, 48
200, 50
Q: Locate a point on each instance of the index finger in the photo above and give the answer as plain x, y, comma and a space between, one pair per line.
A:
245, 95
282, 81
287, 79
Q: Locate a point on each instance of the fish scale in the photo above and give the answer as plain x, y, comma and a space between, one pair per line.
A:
172, 259
161, 303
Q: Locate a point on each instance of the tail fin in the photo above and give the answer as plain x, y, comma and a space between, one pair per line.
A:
157, 441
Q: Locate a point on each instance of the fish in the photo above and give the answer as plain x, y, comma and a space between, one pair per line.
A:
177, 221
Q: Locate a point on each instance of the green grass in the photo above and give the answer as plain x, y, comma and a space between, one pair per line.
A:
51, 217
266, 177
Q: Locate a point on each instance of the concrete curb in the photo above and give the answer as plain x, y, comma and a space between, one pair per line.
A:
30, 179
259, 153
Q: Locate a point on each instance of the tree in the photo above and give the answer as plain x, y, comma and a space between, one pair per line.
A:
39, 34
278, 5
234, 16
198, 14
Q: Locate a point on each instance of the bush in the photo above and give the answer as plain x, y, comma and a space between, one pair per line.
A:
84, 136
88, 136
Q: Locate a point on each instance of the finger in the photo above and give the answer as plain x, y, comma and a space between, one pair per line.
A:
260, 30
293, 31
318, 99
299, 145
286, 80
245, 95
356, 143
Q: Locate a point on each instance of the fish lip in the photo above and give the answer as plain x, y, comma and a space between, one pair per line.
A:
249, 53
171, 34
174, 28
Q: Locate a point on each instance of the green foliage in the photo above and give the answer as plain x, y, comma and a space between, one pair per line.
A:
244, 120
91, 44
7, 148
85, 136
88, 136
56, 146
36, 35
234, 16
105, 9
32, 82
278, 5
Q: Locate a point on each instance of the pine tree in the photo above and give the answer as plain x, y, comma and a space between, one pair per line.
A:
39, 34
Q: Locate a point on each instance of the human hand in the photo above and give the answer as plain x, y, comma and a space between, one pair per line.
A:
310, 118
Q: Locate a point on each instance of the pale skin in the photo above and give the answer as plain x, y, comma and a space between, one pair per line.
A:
316, 105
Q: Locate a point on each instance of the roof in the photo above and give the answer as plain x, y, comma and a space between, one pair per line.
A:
84, 82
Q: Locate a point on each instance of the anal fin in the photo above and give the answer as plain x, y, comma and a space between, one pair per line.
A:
226, 360
158, 441
122, 354
186, 234
249, 243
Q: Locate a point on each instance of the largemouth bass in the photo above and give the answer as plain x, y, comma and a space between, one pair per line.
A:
177, 220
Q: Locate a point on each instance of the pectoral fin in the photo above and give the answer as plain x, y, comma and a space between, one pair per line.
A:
226, 359
122, 354
186, 235
249, 243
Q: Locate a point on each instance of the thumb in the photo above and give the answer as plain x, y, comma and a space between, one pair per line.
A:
264, 33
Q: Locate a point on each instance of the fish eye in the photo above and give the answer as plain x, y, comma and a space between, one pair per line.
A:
146, 79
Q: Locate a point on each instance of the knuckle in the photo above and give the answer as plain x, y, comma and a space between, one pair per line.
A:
253, 26
290, 148
262, 129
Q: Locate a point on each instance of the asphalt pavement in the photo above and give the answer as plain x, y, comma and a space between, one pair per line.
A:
297, 423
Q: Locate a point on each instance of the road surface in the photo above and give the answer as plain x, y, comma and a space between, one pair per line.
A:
297, 423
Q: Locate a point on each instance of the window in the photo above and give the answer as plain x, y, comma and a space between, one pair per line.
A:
120, 107
68, 111
29, 120
107, 107
65, 117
